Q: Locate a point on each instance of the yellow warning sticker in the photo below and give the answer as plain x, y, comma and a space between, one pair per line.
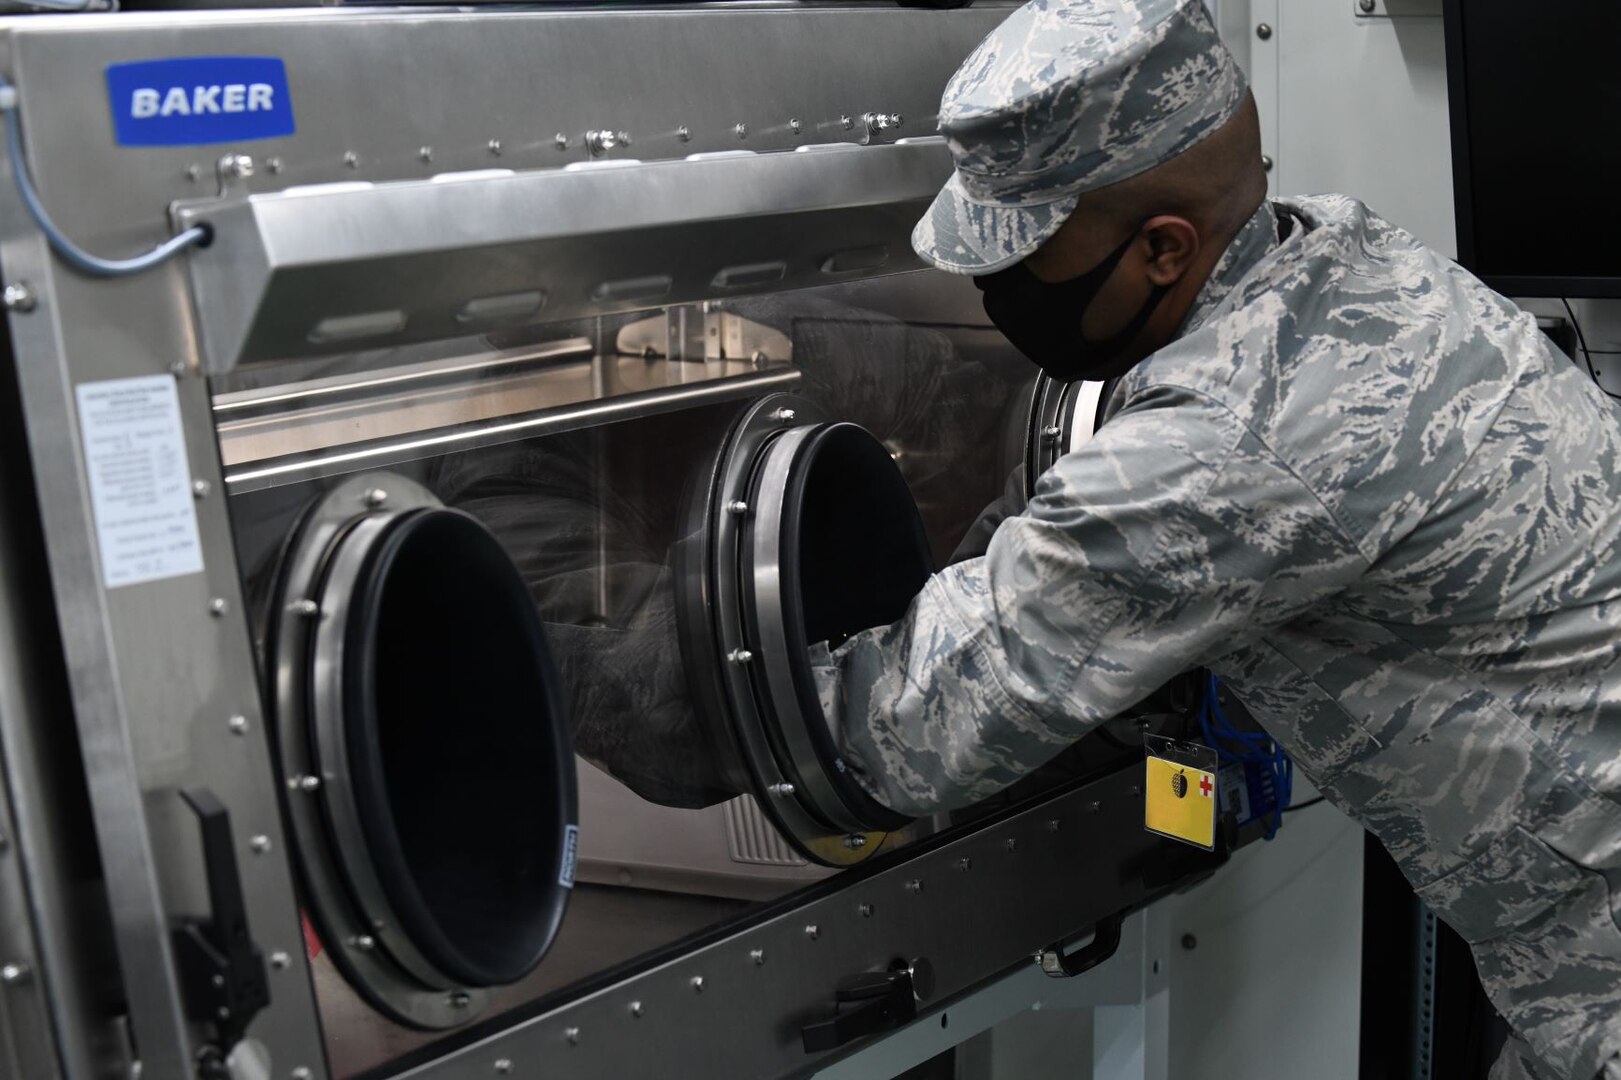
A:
1180, 802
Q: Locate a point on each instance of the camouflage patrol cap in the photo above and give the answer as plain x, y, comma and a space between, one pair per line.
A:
1063, 97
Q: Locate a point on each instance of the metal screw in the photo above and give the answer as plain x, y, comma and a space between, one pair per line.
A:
273, 164
915, 886
236, 166
495, 147
737, 506
280, 961
376, 497
218, 981
1368, 6
193, 172
794, 126
1052, 825
238, 724
855, 841
201, 488
1012, 844
302, 1072
259, 844
560, 141
426, 154
813, 931
1266, 163
759, 357
351, 159
1052, 433
683, 133
1264, 31
784, 415
742, 131
866, 910
19, 297
740, 656
305, 782
758, 956
1189, 942
218, 606
460, 999
178, 369
965, 864
364, 942
572, 1035
504, 1065
12, 974
781, 789
600, 142
624, 138
308, 609
846, 123
1094, 807
636, 1010
697, 984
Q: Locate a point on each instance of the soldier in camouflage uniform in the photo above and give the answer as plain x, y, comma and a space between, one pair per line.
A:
1338, 471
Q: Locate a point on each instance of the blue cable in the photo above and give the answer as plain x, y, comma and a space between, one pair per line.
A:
1249, 748
66, 249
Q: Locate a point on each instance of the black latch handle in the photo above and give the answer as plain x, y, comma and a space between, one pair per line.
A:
222, 972
868, 1003
1105, 942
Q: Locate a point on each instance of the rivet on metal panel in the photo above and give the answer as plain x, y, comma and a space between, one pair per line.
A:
683, 133
280, 960
201, 488
495, 147
259, 844
965, 864
572, 1035
460, 999
19, 296
759, 357
741, 130
1094, 807
307, 609
737, 507
238, 724
813, 931
915, 886
697, 984
351, 159
363, 942
426, 154
1263, 31
219, 606
504, 1065
855, 841
560, 141
866, 910
235, 167
179, 369
1012, 844
740, 656
376, 497
303, 782
795, 126
1052, 824
1051, 433
12, 974
301, 1072
1136, 789
758, 956
193, 172
273, 164
781, 789
636, 1010
784, 415
1266, 163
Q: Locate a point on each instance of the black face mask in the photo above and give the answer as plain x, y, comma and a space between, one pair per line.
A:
1043, 319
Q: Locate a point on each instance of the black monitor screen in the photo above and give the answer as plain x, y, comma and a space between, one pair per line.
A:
1535, 96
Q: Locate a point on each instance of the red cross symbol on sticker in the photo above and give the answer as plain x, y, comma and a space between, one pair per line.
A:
1205, 786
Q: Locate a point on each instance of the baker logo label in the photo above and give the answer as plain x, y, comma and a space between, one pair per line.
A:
196, 100
571, 852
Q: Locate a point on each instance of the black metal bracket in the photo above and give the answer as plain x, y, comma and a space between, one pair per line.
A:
222, 973
1105, 942
867, 1004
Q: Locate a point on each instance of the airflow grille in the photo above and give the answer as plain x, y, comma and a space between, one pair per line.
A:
751, 839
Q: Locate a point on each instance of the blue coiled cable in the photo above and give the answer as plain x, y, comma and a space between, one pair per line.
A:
66, 249
1249, 748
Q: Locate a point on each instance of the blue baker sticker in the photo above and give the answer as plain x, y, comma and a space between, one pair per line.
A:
195, 100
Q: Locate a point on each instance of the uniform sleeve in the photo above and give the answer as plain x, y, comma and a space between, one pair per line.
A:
1171, 538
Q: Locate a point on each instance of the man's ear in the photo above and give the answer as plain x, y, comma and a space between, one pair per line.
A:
1173, 244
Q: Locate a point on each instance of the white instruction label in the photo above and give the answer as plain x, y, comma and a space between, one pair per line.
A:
140, 482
